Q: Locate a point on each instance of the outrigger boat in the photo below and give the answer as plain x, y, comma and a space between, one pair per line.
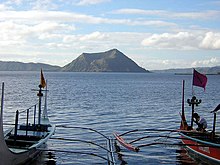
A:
22, 142
202, 144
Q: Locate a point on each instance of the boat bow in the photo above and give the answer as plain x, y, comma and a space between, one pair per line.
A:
3, 146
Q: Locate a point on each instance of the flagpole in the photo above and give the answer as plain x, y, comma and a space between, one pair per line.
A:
40, 94
193, 93
45, 104
183, 94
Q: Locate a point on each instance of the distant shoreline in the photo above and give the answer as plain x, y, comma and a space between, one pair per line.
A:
191, 74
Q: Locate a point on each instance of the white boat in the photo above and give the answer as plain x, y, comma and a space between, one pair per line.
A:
23, 142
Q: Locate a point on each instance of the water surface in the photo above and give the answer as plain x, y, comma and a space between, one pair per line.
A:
110, 102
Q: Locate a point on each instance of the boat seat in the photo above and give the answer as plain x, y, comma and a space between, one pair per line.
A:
37, 127
24, 137
33, 134
19, 143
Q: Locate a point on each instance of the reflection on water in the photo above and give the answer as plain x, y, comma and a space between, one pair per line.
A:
46, 158
183, 158
50, 158
188, 157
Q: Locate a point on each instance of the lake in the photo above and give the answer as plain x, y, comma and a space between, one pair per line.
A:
110, 102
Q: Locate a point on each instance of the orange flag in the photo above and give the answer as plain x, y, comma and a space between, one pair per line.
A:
42, 80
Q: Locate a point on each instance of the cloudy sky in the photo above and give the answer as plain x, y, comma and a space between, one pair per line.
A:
156, 34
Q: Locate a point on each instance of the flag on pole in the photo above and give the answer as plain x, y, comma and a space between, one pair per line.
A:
42, 80
199, 79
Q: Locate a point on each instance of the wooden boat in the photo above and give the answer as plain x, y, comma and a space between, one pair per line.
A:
205, 145
22, 142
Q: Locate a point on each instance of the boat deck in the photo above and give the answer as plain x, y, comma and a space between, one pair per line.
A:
26, 136
206, 136
39, 134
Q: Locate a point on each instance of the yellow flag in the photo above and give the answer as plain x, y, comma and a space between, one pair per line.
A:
42, 80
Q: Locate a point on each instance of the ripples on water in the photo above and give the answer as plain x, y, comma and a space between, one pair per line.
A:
109, 102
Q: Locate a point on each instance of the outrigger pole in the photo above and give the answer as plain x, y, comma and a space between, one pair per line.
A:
83, 141
176, 144
149, 130
86, 128
78, 152
109, 149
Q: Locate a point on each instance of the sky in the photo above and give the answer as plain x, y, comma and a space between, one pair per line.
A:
156, 34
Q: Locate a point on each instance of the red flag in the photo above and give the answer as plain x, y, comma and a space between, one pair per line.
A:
199, 79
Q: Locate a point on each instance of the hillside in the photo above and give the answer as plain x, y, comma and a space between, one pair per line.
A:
20, 66
109, 61
205, 70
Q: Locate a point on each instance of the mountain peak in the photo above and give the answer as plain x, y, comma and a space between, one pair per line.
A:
109, 61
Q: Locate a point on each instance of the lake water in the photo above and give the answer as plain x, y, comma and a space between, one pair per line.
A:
110, 102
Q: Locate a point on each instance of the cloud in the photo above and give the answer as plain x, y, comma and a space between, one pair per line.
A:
211, 41
69, 17
43, 5
91, 2
153, 63
15, 2
11, 34
30, 36
214, 61
93, 37
209, 14
140, 12
4, 7
69, 38
51, 4
180, 40
37, 29
48, 26
183, 41
32, 4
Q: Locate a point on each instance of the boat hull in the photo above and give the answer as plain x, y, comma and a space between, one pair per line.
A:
205, 150
10, 158
17, 156
23, 142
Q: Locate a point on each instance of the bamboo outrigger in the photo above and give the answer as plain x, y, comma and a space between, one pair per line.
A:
109, 148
